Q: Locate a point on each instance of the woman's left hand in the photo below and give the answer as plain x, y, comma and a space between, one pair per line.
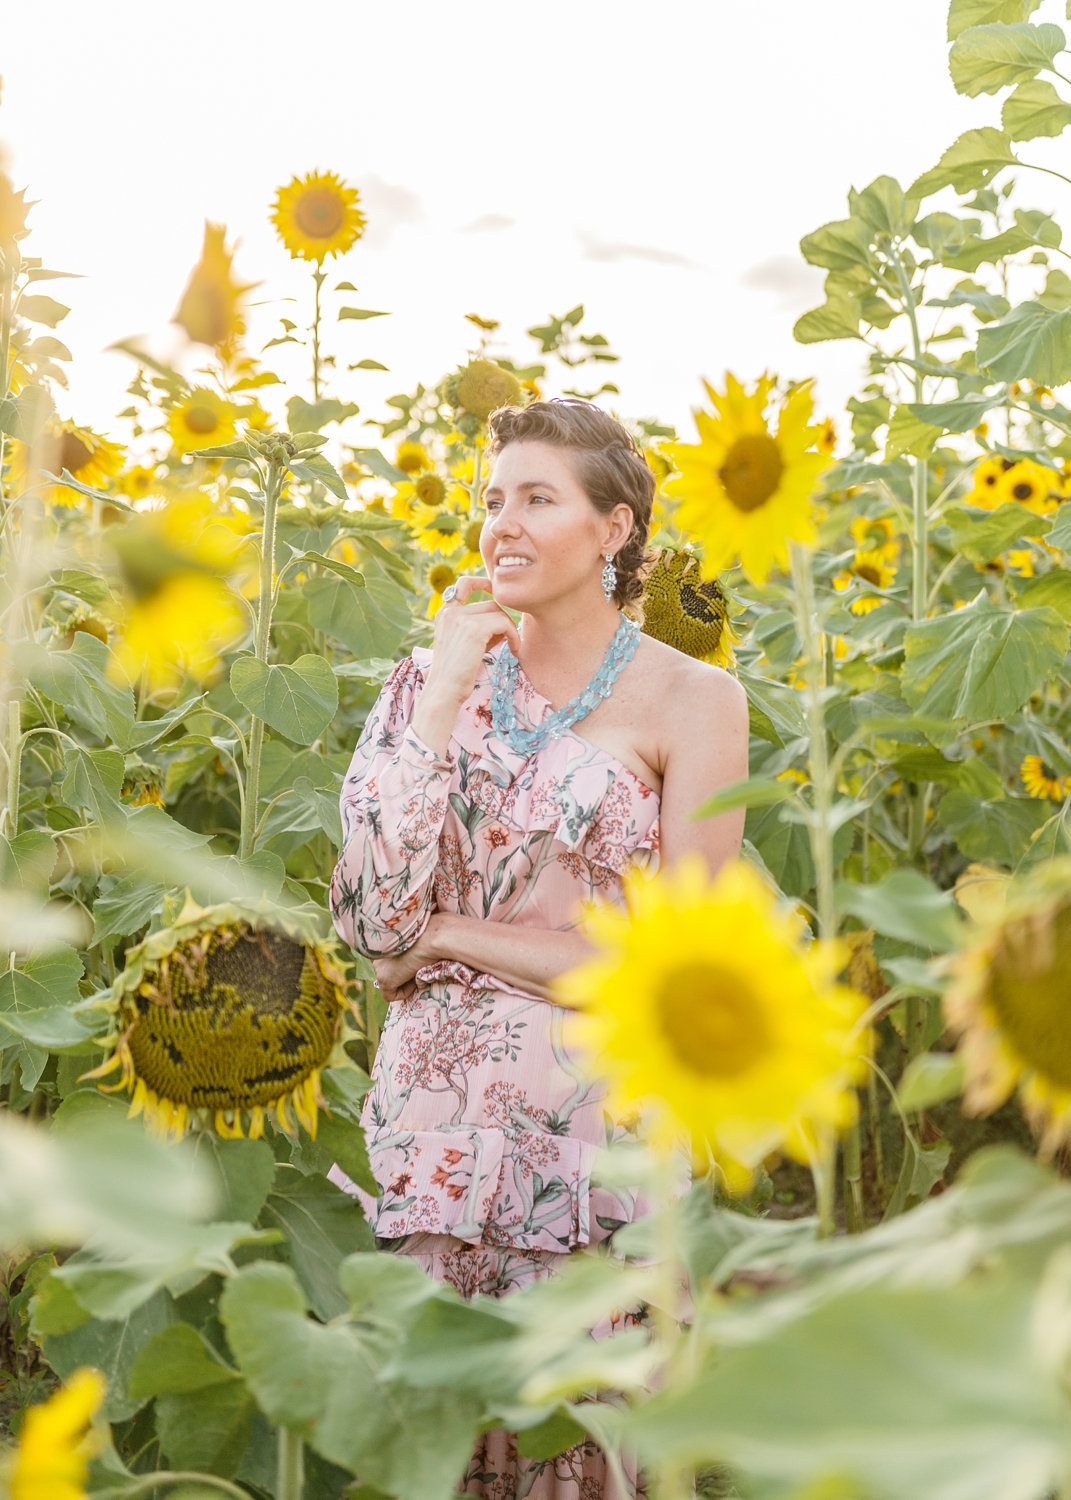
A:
396, 974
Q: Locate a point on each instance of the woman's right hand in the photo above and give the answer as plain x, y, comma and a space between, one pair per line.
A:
464, 632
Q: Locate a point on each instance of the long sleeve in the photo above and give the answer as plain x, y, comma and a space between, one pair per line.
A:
394, 801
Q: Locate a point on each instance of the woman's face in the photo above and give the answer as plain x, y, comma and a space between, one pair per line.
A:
543, 539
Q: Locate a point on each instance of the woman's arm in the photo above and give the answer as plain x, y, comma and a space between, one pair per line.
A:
705, 749
528, 957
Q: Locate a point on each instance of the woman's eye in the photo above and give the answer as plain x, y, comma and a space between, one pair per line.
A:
491, 505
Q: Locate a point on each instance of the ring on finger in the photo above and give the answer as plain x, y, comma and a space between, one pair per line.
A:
450, 593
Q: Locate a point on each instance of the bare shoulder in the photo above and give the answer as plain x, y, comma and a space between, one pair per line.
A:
690, 692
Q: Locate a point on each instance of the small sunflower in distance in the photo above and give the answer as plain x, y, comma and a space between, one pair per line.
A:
412, 458
746, 488
869, 568
1041, 780
317, 215
201, 419
471, 560
705, 1004
1030, 484
876, 534
985, 483
1007, 1002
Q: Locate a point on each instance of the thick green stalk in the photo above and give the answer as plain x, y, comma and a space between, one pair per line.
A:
7, 285
272, 486
146, 1483
10, 820
672, 1482
818, 758
477, 481
318, 280
290, 1473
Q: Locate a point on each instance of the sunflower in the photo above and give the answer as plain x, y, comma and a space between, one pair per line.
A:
985, 486
1007, 1002
471, 560
440, 576
87, 457
682, 610
430, 490
57, 1440
876, 534
13, 211
184, 625
1033, 485
869, 568
438, 531
137, 482
211, 308
745, 490
827, 437
704, 1002
1041, 780
317, 215
201, 419
482, 387
141, 785
1020, 560
412, 458
224, 1020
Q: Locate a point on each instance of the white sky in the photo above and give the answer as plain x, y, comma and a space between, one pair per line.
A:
657, 161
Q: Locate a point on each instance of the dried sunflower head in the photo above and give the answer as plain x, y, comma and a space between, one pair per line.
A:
224, 1018
686, 612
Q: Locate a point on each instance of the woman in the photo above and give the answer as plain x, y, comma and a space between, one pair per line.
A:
502, 778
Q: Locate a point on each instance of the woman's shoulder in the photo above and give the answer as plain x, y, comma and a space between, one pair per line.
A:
672, 680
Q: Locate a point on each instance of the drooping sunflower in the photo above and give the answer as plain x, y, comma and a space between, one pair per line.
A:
685, 611
1041, 780
746, 489
211, 308
317, 215
440, 576
87, 457
57, 1440
1007, 1002
224, 1020
201, 419
1030, 484
876, 534
868, 567
482, 387
705, 1005
985, 481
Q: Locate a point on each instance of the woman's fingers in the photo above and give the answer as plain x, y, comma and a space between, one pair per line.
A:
483, 616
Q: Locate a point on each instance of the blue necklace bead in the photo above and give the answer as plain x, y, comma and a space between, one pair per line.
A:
527, 739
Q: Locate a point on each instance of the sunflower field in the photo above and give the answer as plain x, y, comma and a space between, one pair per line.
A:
864, 1027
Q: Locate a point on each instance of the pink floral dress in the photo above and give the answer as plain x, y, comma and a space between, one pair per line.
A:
482, 1127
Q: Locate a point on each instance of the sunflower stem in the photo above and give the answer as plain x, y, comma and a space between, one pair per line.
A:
477, 480
671, 1481
9, 818
7, 284
818, 759
273, 484
290, 1473
854, 1214
147, 1482
318, 280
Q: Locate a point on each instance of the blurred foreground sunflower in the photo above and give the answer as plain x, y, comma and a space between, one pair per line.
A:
87, 457
705, 1004
686, 612
746, 488
224, 1020
57, 1441
471, 560
440, 576
317, 215
1007, 1003
211, 308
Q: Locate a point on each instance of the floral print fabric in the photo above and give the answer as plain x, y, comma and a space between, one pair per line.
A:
482, 1126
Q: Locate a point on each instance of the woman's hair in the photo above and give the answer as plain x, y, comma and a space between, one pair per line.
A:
610, 468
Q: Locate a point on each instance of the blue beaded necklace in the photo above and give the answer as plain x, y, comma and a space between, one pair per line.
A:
526, 741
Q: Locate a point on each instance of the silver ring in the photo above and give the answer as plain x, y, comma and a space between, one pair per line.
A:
450, 593
375, 984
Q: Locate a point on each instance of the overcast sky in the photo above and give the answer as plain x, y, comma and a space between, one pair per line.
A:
658, 162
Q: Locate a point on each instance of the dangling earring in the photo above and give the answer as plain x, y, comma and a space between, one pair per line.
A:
609, 577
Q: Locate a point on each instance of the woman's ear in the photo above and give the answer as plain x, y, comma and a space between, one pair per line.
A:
620, 528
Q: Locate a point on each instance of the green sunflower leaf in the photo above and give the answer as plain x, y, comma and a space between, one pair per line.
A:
1034, 108
78, 681
27, 860
959, 415
1032, 343
982, 661
984, 59
984, 535
993, 830
206, 1430
38, 1000
965, 13
838, 246
322, 1226
905, 905
371, 621
971, 161
359, 314
317, 468
907, 434
111, 1346
930, 1079
297, 700
1060, 535
93, 781
175, 1361
754, 791
312, 416
838, 318
42, 309
1052, 588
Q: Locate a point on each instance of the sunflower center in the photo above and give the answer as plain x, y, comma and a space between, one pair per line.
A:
699, 602
430, 490
1024, 491
200, 419
868, 573
473, 531
319, 213
1028, 991
234, 1019
752, 470
73, 454
710, 1022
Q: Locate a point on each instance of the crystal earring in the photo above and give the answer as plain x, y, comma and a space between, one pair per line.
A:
609, 577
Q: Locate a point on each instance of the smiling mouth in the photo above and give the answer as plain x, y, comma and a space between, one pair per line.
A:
513, 562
